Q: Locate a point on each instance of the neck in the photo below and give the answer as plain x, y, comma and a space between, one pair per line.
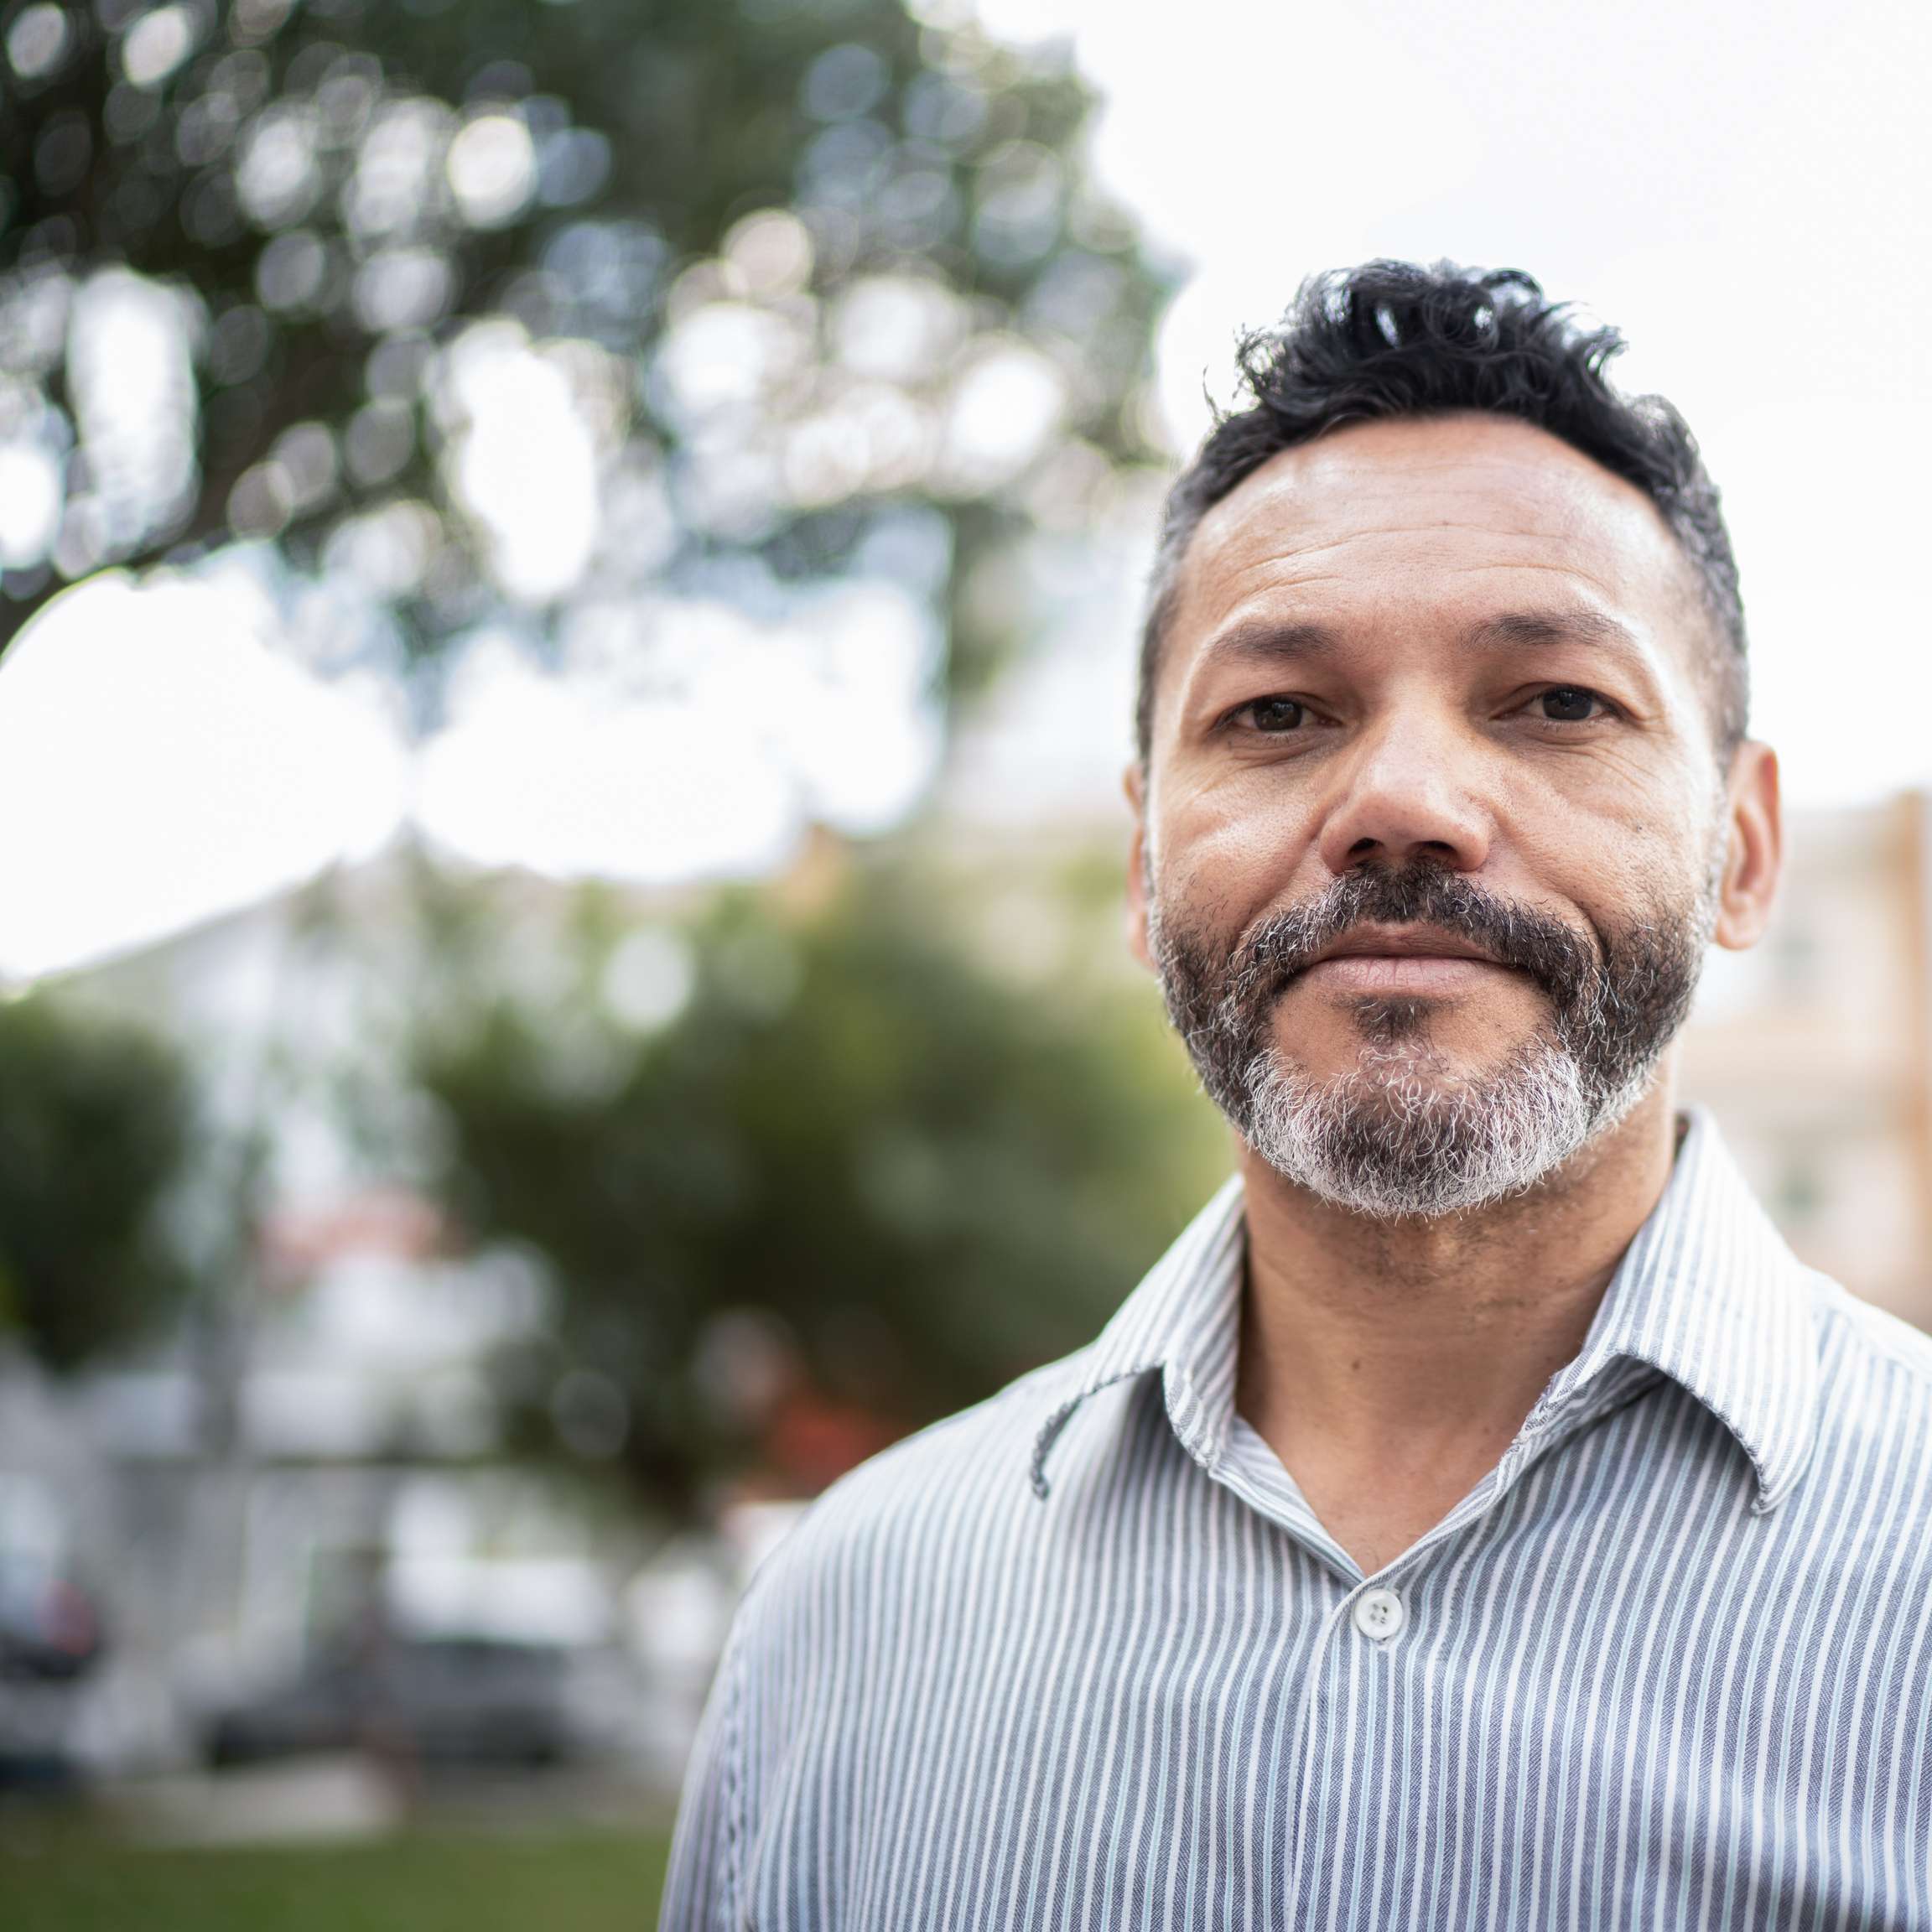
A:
1436, 1336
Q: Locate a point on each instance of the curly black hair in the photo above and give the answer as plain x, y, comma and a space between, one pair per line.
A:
1395, 339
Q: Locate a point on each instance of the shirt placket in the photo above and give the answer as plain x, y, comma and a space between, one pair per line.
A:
1366, 1636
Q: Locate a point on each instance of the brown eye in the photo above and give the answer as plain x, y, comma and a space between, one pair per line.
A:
1568, 705
1275, 714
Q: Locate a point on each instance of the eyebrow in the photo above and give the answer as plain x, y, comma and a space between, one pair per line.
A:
1259, 641
1537, 627
1256, 641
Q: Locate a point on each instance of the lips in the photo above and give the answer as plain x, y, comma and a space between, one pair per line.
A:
1402, 962
1402, 943
1420, 930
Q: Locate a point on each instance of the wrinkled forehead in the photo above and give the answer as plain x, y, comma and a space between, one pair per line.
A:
1439, 511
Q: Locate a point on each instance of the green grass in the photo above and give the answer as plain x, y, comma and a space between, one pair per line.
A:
579, 1881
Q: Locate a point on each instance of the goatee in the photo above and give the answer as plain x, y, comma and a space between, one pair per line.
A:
1401, 1133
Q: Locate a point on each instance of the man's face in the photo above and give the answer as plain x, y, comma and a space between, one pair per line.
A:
1433, 833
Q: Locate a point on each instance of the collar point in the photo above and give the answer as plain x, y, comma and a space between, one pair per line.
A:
1775, 1485
1043, 1442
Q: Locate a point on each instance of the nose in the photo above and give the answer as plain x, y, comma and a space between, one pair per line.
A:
1406, 792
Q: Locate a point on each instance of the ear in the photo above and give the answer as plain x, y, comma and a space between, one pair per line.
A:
1136, 788
1754, 856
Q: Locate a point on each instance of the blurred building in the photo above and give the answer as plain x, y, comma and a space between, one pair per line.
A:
317, 1451
1815, 1051
333, 1468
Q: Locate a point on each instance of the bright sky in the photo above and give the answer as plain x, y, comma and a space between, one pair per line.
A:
1740, 187
164, 756
160, 760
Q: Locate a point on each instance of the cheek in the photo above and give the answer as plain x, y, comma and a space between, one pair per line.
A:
1616, 858
1240, 854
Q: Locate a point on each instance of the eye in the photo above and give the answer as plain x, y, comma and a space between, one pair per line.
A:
1571, 704
1273, 714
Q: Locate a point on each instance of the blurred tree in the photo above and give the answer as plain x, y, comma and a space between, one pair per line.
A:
789, 1167
96, 1129
489, 306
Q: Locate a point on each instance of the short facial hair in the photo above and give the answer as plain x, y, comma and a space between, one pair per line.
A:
1401, 1133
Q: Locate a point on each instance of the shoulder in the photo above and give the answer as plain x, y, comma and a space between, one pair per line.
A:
905, 1515
1874, 1422
1860, 1341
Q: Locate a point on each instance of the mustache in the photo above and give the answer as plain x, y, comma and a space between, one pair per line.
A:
1280, 948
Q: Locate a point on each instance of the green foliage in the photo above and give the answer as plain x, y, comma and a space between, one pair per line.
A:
96, 1129
924, 1174
288, 171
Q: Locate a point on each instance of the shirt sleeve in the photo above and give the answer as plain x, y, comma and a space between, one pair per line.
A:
700, 1888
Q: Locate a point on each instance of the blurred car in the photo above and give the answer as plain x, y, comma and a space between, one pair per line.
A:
49, 1626
448, 1699
50, 1639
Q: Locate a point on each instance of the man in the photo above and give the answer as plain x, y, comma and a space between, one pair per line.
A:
1478, 1517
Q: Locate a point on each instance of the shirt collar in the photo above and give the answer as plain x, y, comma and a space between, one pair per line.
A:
1707, 1293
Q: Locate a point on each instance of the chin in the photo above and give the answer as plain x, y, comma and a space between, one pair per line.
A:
1402, 1128
1388, 1041
1404, 1132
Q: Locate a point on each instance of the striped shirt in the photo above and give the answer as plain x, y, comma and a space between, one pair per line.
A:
1083, 1656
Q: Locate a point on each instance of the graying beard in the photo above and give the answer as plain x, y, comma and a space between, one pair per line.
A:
1384, 1140
1388, 1139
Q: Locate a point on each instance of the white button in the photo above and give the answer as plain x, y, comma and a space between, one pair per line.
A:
1378, 1613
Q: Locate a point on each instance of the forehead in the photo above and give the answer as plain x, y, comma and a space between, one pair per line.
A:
1441, 512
